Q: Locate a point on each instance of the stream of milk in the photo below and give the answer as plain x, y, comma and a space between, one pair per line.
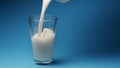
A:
44, 8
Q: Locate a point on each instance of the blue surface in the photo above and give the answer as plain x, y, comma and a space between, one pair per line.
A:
87, 36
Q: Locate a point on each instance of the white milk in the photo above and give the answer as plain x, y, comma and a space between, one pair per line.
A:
44, 7
43, 45
42, 42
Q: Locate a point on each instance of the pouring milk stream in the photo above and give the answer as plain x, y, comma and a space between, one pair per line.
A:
44, 7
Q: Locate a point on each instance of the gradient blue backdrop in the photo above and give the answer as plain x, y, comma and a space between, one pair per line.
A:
87, 36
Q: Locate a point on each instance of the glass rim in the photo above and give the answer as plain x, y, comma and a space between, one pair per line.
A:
49, 17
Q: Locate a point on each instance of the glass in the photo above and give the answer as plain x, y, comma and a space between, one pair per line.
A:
43, 44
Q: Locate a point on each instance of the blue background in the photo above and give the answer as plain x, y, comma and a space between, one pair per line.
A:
87, 36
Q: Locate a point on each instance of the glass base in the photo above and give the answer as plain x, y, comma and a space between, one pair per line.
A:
42, 62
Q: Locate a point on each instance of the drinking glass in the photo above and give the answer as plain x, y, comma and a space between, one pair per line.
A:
42, 47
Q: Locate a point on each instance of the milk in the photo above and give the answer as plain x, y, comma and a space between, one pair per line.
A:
43, 41
44, 7
43, 45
